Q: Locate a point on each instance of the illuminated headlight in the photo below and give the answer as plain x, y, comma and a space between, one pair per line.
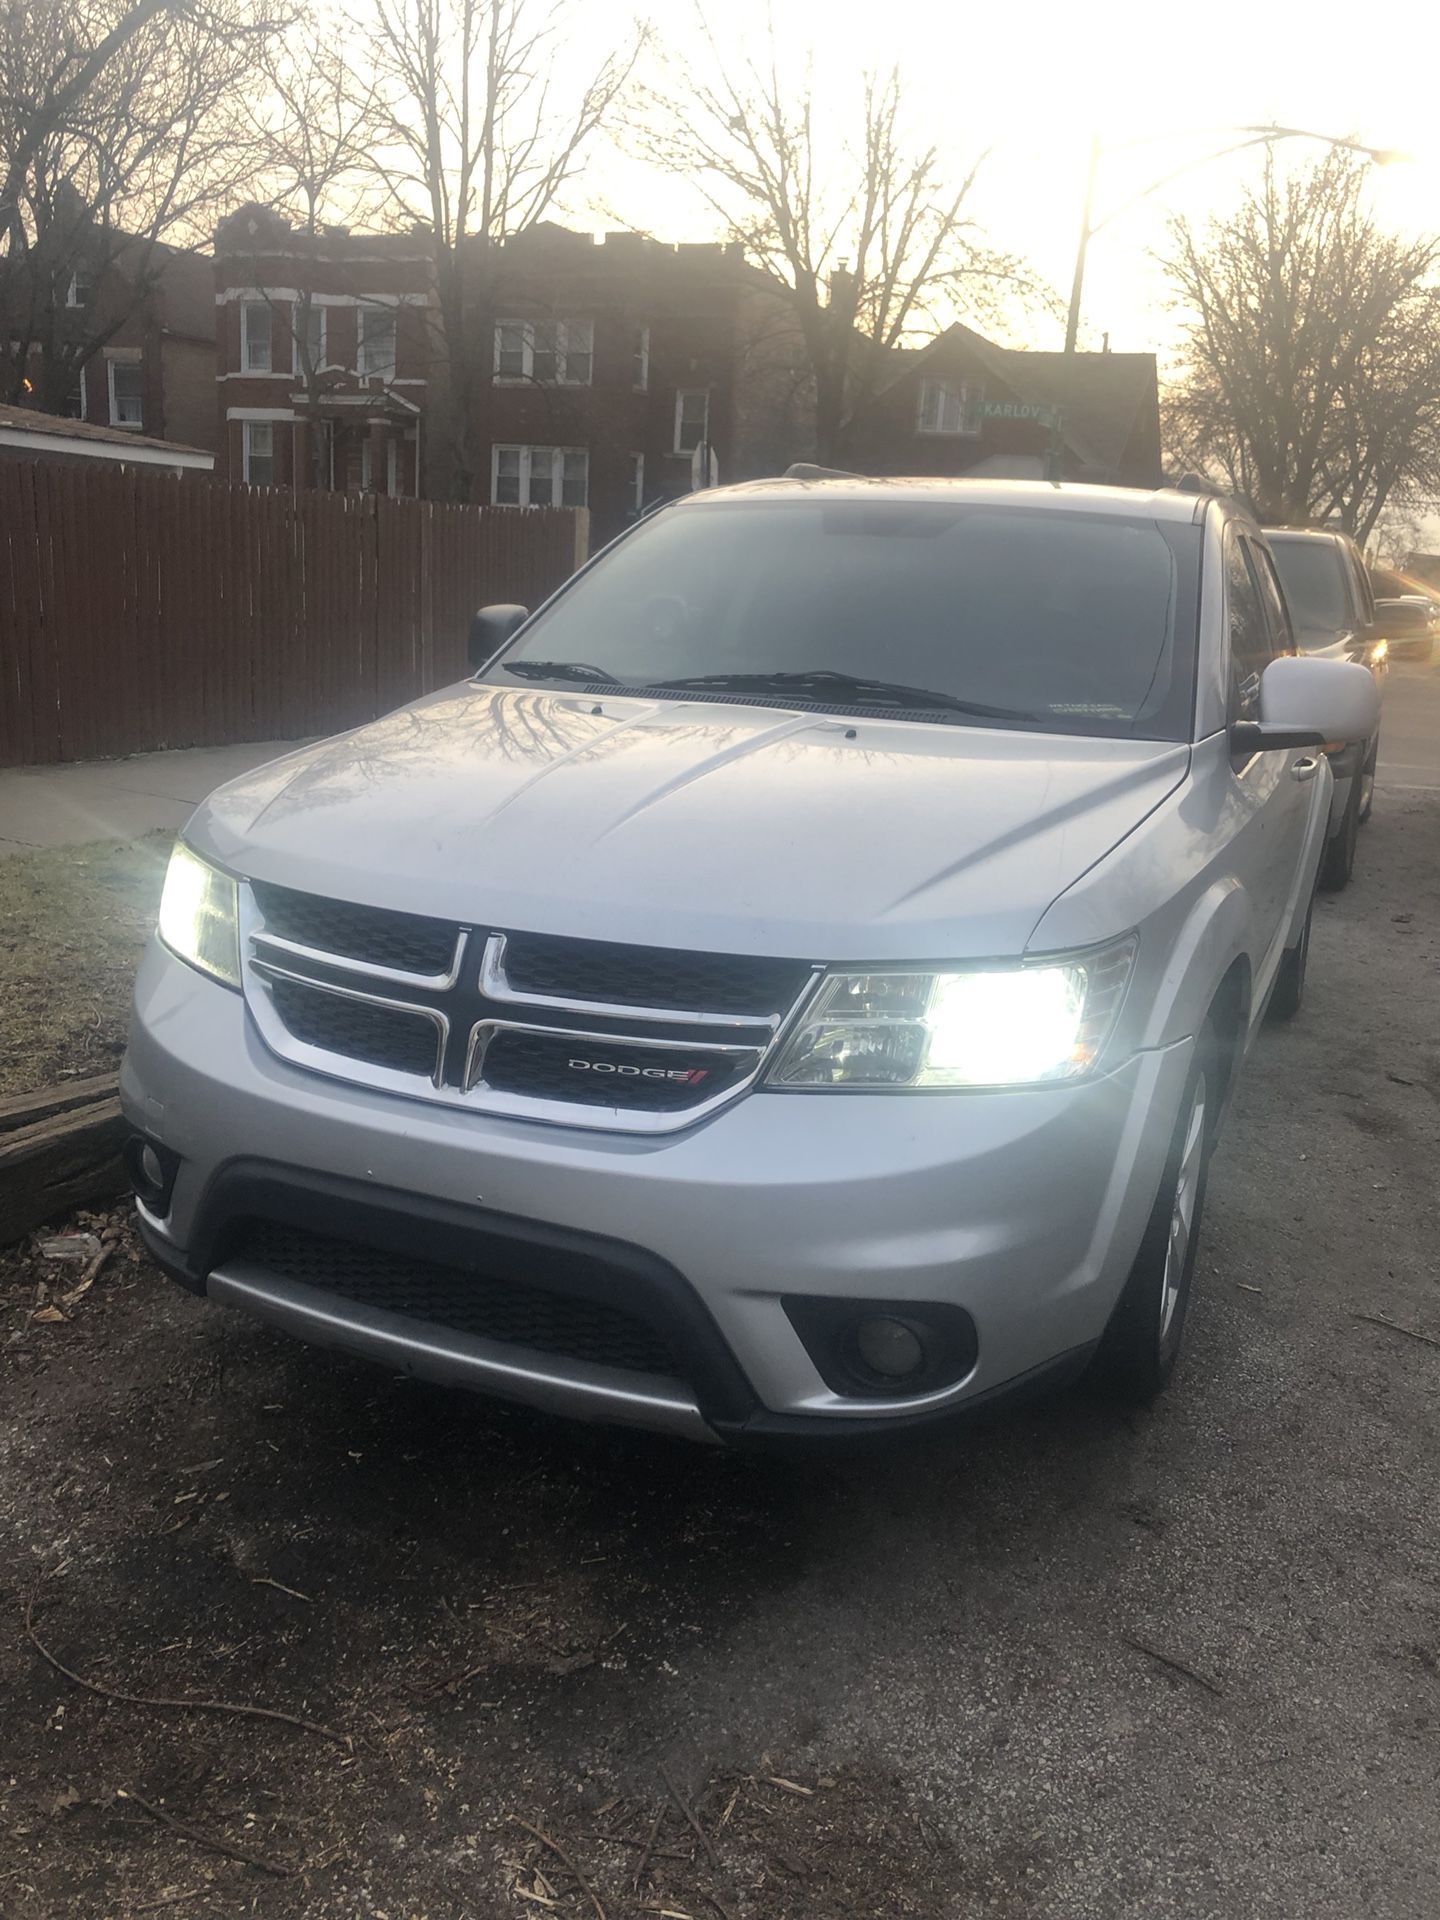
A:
1024, 1025
199, 916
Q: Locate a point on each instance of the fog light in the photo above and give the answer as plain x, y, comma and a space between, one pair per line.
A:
151, 1168
889, 1347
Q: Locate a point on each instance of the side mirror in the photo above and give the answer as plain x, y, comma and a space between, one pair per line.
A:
1310, 703
490, 628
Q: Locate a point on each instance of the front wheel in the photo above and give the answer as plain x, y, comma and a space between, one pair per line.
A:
1288, 993
1367, 781
1142, 1341
1338, 862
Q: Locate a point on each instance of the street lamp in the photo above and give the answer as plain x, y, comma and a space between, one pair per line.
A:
1255, 137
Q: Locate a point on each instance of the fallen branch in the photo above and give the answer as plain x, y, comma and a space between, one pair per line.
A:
561, 1855
170, 1900
1410, 1333
1175, 1666
264, 1580
648, 1849
164, 1703
209, 1840
690, 1816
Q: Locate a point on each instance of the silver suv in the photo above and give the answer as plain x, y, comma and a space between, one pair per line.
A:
792, 987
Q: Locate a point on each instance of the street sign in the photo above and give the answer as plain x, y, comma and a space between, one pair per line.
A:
1021, 410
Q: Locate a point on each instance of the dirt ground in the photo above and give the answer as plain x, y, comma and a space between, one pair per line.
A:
72, 923
1063, 1667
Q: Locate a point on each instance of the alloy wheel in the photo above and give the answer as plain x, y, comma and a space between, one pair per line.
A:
1182, 1216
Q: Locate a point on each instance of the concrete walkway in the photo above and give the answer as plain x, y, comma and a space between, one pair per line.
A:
117, 799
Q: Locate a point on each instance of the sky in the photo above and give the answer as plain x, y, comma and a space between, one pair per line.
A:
1033, 82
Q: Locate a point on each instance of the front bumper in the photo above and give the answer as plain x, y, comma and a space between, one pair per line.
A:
1024, 1209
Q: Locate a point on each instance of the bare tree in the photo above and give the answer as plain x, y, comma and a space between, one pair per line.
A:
120, 130
480, 141
316, 121
1310, 380
863, 229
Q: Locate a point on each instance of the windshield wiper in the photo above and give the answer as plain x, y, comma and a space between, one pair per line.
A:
828, 683
559, 670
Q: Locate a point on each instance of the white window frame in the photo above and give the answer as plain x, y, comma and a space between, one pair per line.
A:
123, 358
247, 430
248, 308
641, 359
557, 474
932, 419
73, 296
565, 345
637, 484
682, 394
362, 358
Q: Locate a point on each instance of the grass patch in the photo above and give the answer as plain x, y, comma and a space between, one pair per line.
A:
73, 921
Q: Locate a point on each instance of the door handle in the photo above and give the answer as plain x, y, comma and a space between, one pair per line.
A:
1306, 767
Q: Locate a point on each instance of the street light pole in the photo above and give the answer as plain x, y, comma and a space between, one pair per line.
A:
1256, 137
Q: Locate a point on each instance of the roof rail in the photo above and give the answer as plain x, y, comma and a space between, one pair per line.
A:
807, 470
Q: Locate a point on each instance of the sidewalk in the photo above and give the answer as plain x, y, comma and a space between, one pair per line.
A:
117, 799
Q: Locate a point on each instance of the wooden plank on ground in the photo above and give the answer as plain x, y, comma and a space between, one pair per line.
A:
24, 1109
52, 1166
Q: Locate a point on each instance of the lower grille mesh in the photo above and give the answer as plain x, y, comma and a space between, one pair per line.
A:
499, 1307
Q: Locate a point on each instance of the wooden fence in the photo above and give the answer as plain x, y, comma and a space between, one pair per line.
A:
143, 610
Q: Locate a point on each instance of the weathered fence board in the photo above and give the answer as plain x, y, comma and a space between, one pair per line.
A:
142, 610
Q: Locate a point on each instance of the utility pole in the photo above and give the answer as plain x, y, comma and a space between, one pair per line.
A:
1072, 323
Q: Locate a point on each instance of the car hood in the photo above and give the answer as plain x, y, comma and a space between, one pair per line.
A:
693, 823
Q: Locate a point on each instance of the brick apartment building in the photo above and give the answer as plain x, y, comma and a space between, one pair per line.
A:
323, 355
153, 305
600, 368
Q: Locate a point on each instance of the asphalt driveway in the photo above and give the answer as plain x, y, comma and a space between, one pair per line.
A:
1067, 1667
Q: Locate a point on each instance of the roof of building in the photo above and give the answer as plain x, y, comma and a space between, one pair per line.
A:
1100, 393
21, 426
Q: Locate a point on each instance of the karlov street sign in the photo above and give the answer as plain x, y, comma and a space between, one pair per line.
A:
1021, 410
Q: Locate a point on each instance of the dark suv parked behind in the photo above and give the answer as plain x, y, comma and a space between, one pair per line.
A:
1332, 610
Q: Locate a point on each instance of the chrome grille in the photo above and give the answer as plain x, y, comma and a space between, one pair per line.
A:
576, 1032
374, 936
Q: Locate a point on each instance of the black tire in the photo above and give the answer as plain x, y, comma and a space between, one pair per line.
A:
1367, 781
1288, 995
1338, 862
1141, 1344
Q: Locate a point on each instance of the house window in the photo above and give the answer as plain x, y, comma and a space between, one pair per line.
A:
549, 352
127, 398
377, 343
259, 453
309, 339
637, 483
81, 286
640, 378
692, 418
948, 406
255, 336
540, 477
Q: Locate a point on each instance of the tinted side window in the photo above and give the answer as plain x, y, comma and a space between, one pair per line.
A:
1250, 649
1276, 611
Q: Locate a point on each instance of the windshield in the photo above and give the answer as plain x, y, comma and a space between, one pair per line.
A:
1001, 615
1313, 576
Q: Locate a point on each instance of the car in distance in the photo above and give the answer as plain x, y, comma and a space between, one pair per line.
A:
1327, 592
1407, 611
792, 988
